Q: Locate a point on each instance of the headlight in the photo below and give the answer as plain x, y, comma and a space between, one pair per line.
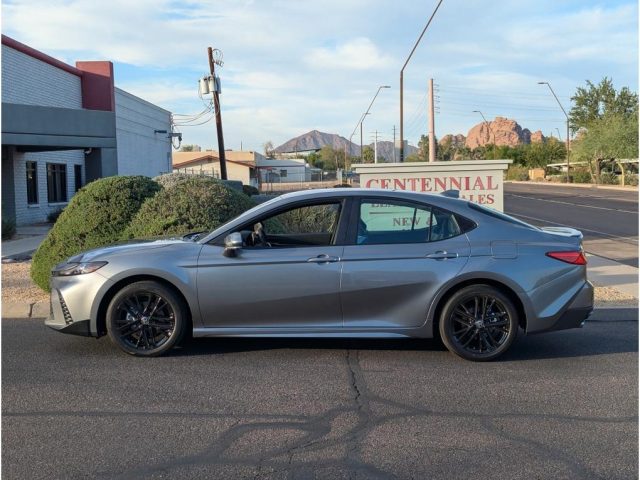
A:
81, 268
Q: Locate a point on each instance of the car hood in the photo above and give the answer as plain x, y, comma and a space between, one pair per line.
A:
133, 246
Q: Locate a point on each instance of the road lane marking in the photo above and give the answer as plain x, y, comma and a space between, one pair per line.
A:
620, 239
572, 204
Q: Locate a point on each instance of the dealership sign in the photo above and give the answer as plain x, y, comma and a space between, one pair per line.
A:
479, 181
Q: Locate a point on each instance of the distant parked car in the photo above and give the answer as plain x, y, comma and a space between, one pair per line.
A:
334, 263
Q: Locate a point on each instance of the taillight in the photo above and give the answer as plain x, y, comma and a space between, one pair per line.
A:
575, 257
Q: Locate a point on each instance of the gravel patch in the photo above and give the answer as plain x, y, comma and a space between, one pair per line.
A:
606, 297
17, 286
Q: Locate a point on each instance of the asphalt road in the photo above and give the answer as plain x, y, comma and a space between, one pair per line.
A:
607, 218
561, 405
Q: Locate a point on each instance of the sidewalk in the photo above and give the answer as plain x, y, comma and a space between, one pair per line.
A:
31, 237
607, 273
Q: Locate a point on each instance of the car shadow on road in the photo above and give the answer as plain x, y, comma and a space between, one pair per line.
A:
596, 338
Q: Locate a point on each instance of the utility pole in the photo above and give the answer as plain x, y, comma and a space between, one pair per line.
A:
361, 156
216, 106
375, 147
432, 134
394, 144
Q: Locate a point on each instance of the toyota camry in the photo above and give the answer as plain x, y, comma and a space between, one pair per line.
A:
334, 263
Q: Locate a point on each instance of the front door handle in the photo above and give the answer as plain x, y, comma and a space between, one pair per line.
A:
323, 259
441, 255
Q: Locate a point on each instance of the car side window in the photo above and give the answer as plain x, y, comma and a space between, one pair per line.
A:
301, 226
390, 221
443, 225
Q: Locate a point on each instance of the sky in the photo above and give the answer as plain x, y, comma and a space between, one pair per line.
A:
294, 66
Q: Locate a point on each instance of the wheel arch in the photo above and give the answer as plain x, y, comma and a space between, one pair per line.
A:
101, 321
501, 286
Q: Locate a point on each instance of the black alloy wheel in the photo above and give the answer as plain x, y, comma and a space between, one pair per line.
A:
146, 319
479, 323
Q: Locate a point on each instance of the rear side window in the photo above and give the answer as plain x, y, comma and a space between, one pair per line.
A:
499, 215
394, 222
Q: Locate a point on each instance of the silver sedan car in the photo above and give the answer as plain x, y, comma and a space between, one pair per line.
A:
334, 263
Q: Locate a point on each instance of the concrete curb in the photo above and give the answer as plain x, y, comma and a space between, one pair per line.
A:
25, 310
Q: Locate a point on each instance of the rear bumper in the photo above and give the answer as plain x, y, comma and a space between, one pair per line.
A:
574, 315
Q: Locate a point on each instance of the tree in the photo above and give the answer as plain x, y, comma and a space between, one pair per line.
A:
367, 154
269, 151
331, 159
594, 102
613, 136
313, 159
188, 148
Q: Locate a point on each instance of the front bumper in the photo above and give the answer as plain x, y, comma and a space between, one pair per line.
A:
574, 315
71, 303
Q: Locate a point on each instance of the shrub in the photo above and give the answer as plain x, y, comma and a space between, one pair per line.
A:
96, 216
192, 204
631, 179
609, 178
8, 228
342, 185
170, 180
518, 173
250, 190
581, 175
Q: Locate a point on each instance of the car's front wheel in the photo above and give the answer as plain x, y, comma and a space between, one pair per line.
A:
146, 319
479, 323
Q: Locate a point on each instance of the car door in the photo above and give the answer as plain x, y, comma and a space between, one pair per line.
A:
292, 281
400, 254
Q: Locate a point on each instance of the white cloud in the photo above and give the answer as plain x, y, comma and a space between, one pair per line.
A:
356, 54
292, 66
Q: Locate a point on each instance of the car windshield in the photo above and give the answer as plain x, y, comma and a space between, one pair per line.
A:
499, 215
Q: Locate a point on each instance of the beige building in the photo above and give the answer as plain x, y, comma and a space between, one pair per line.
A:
208, 163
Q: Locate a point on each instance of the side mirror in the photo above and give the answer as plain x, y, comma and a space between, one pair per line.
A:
232, 244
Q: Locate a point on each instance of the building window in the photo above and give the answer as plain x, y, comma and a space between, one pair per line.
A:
77, 173
283, 173
32, 183
57, 182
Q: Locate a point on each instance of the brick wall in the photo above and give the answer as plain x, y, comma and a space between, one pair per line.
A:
29, 81
140, 150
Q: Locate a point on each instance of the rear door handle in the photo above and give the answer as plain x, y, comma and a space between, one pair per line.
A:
441, 255
323, 259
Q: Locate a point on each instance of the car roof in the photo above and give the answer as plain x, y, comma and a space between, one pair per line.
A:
432, 198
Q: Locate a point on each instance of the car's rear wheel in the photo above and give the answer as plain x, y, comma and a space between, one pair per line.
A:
479, 323
146, 319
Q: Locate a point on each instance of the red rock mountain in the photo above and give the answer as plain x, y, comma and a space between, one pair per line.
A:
501, 131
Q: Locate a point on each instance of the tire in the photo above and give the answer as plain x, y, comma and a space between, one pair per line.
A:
479, 323
146, 319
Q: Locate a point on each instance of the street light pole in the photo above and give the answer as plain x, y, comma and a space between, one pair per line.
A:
490, 132
402, 82
567, 116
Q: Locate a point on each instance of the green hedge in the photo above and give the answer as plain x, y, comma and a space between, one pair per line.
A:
95, 216
189, 204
